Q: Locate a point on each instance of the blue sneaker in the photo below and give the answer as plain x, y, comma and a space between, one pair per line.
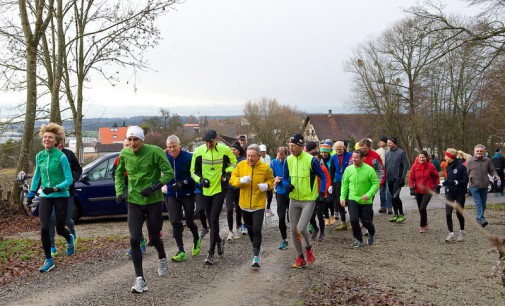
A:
54, 251
70, 246
283, 245
47, 266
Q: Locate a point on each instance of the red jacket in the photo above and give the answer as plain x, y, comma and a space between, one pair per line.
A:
422, 176
374, 160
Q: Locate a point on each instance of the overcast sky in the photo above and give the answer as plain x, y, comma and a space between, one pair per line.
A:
217, 55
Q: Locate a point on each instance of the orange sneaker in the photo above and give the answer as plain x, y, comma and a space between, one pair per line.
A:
310, 256
300, 262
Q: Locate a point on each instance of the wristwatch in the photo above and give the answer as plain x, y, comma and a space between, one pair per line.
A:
55, 189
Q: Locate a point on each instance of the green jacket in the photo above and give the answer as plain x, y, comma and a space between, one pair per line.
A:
358, 181
302, 177
52, 170
144, 167
212, 164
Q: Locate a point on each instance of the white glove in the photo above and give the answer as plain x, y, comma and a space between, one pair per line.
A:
245, 180
455, 182
164, 189
330, 189
263, 187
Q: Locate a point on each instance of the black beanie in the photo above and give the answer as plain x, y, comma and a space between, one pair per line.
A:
297, 139
237, 146
311, 145
393, 139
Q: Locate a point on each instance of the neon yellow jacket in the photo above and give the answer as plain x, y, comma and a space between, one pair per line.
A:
251, 197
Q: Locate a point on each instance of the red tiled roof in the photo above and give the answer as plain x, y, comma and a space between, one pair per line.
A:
342, 126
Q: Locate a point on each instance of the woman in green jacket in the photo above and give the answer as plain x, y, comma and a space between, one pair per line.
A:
52, 172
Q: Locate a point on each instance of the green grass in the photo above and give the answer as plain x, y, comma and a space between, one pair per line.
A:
17, 248
496, 206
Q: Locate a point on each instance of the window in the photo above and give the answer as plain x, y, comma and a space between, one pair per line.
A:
102, 171
114, 136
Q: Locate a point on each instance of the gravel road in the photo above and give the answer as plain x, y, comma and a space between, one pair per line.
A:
417, 267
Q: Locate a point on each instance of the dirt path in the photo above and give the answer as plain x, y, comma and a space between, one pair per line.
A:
415, 267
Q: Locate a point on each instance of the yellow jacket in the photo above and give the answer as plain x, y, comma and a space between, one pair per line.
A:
251, 197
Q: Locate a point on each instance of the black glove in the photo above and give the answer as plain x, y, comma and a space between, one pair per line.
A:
437, 189
120, 199
412, 191
47, 190
320, 197
226, 177
449, 184
204, 182
290, 188
150, 190
179, 184
401, 182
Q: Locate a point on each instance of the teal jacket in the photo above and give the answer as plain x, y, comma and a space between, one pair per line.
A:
358, 181
52, 169
144, 167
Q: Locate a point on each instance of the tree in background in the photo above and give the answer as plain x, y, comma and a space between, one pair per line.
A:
271, 123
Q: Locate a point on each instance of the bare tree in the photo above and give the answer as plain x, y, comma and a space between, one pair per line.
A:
272, 123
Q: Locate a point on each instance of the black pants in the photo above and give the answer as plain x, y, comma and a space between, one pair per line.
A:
335, 203
270, 196
175, 207
422, 200
232, 196
136, 215
319, 213
395, 189
282, 209
460, 199
213, 205
363, 213
253, 220
46, 207
200, 210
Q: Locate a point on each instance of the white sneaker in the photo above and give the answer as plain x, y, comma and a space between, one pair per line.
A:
461, 236
450, 237
230, 236
140, 285
162, 267
236, 235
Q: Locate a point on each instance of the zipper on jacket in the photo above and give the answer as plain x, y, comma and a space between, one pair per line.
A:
252, 177
47, 169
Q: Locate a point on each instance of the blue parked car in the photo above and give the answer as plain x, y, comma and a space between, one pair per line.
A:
94, 192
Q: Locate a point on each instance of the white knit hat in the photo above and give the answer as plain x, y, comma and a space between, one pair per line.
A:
135, 131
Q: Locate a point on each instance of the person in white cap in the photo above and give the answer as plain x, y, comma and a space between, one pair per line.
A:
264, 157
148, 170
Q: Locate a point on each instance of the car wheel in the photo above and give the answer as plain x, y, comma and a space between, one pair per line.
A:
26, 210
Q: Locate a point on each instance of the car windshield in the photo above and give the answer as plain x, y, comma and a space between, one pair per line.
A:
95, 162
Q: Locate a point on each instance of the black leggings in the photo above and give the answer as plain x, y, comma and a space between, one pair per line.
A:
200, 210
460, 199
319, 212
395, 189
232, 196
282, 209
337, 188
46, 207
422, 200
270, 196
175, 206
253, 220
213, 205
136, 215
361, 212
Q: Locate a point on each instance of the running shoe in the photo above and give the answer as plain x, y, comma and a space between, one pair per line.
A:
371, 239
484, 223
255, 263
357, 244
162, 267
382, 210
311, 229
423, 229
230, 236
314, 234
75, 237
461, 236
54, 251
300, 262
209, 260
390, 211
400, 219
395, 217
180, 256
203, 232
47, 266
269, 212
321, 238
450, 237
244, 229
196, 247
310, 255
236, 235
140, 285
341, 227
220, 247
70, 246
283, 245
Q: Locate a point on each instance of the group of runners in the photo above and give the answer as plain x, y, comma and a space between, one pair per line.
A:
311, 182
